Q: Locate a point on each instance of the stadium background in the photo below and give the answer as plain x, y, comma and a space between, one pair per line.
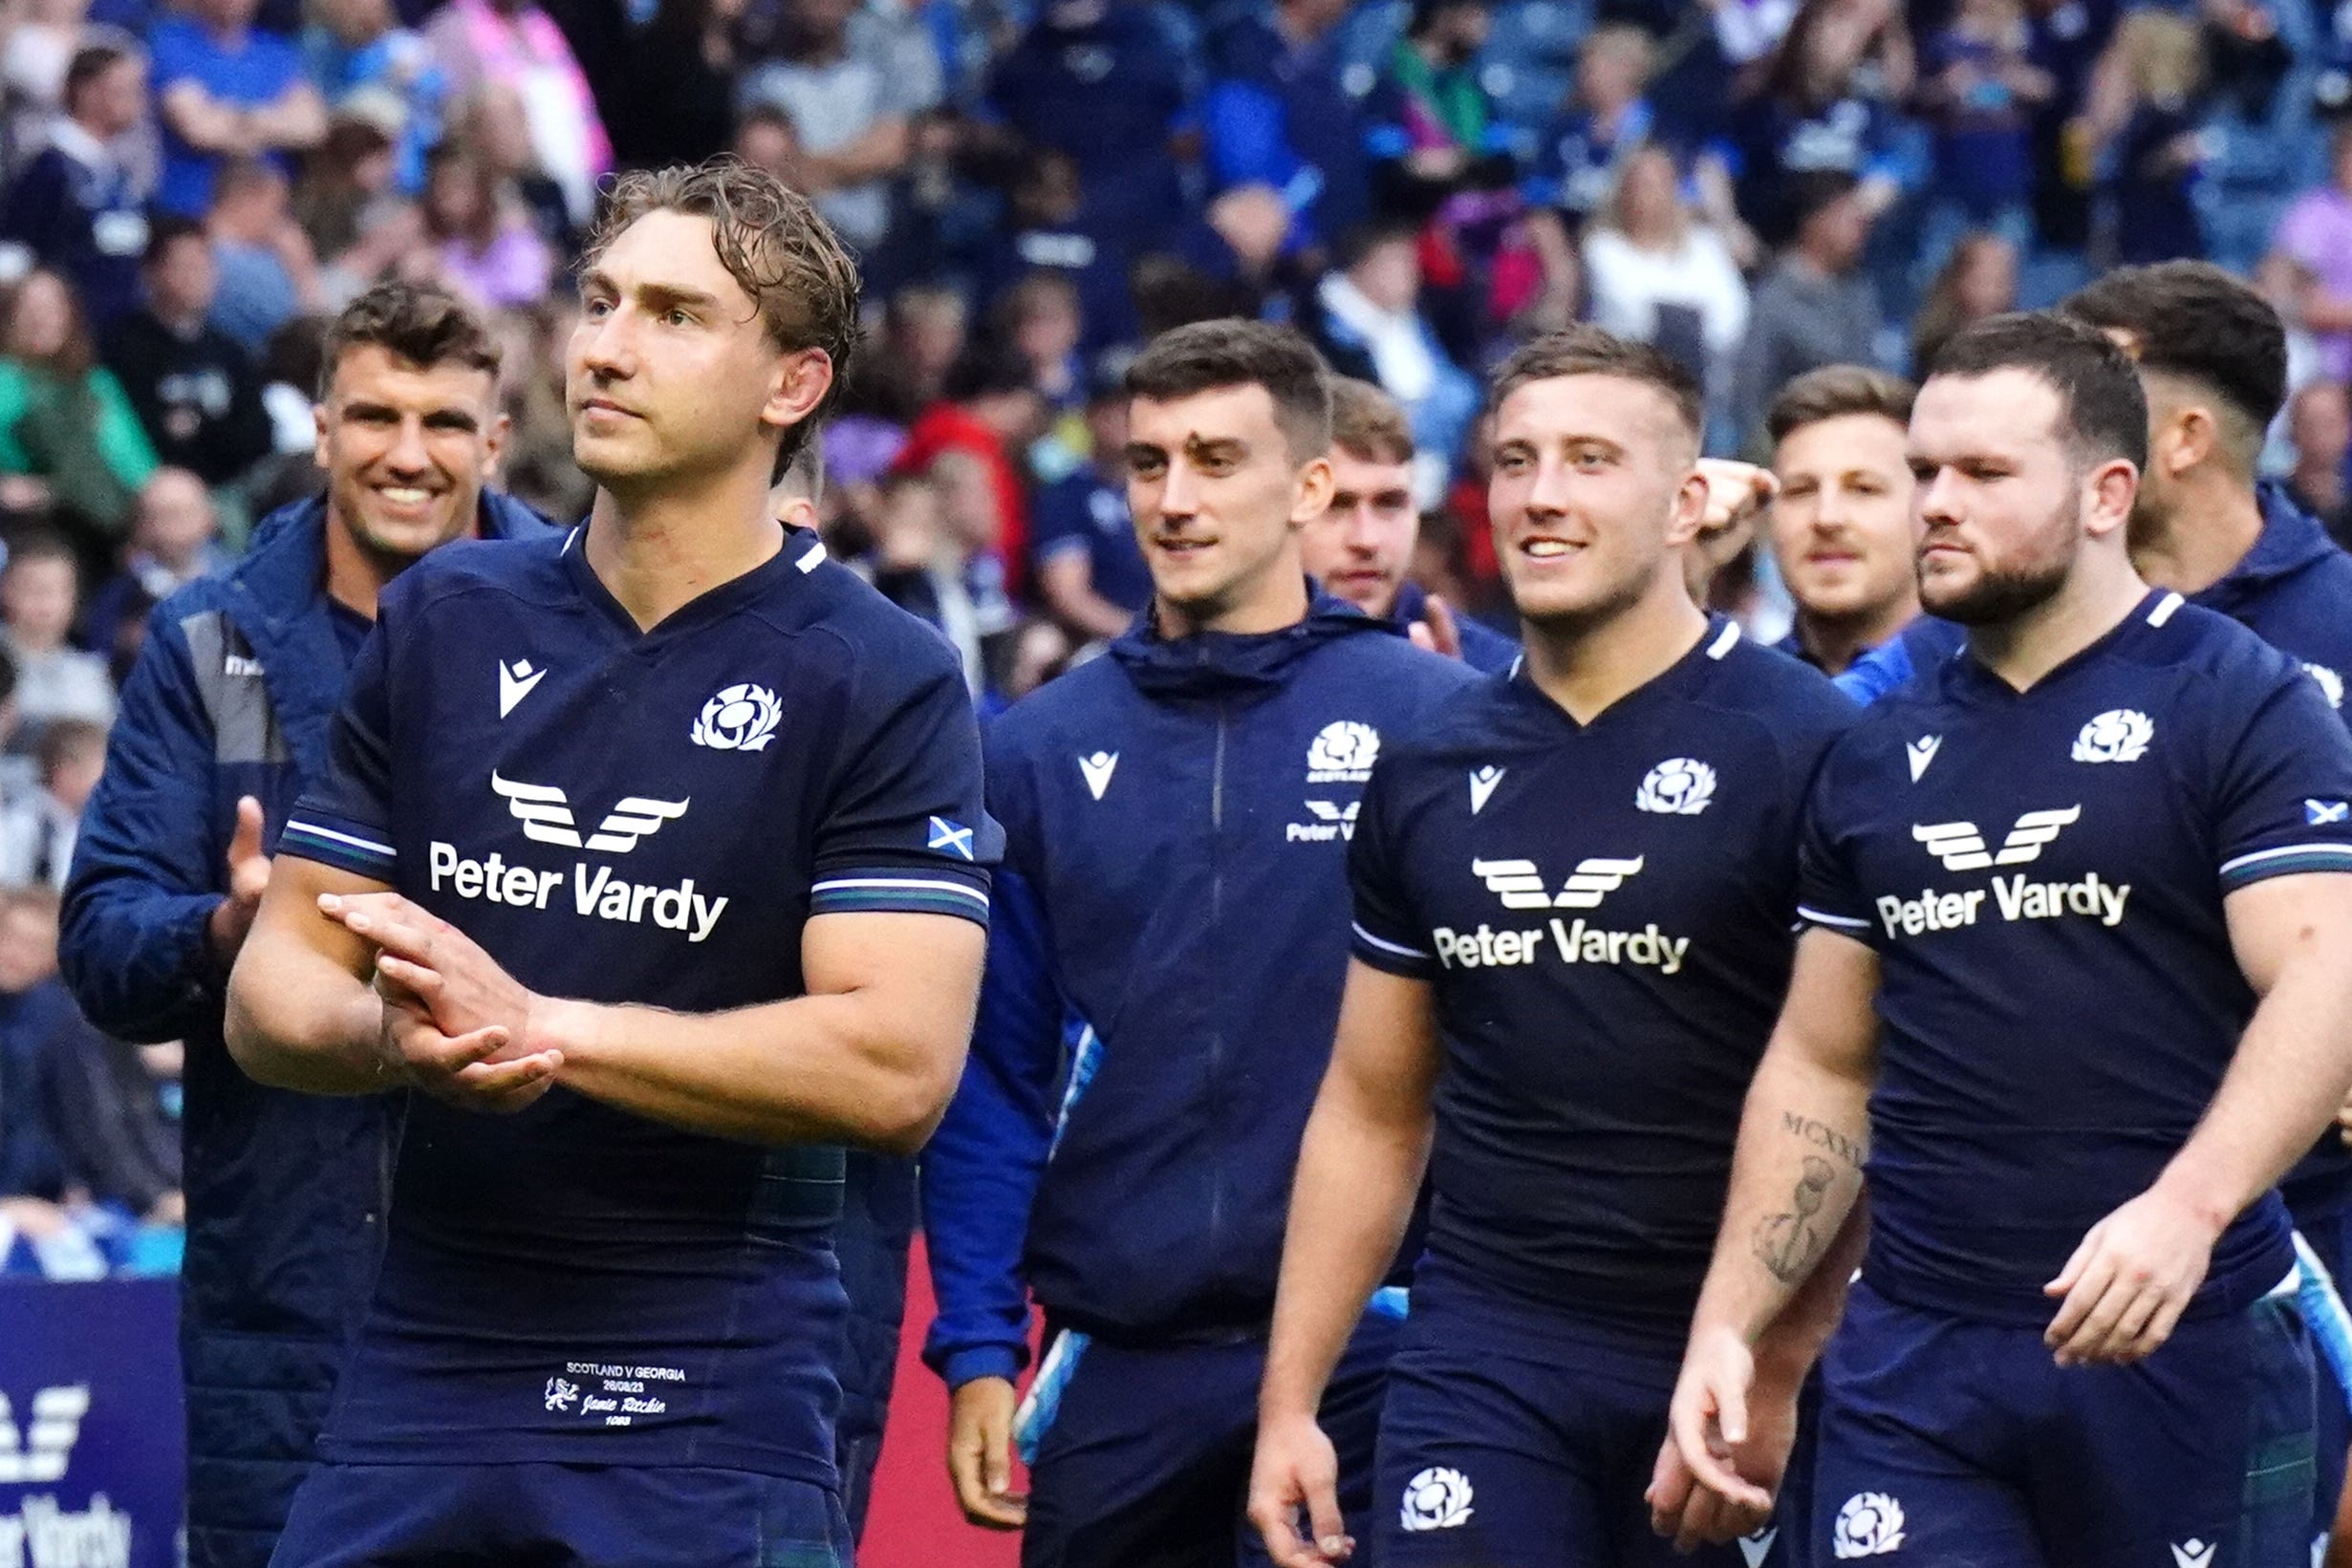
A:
188, 189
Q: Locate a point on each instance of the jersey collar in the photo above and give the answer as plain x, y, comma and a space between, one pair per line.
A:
802, 555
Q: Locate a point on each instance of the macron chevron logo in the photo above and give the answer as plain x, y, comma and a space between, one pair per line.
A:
1483, 785
515, 682
1098, 769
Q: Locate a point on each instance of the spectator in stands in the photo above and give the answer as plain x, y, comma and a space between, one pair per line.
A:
364, 61
1580, 156
1827, 106
1088, 567
33, 1009
2153, 139
2319, 424
486, 246
1106, 83
990, 411
193, 387
1041, 320
1370, 324
1980, 89
1978, 281
268, 273
37, 827
1364, 546
79, 207
112, 1109
515, 44
1654, 272
225, 91
929, 542
36, 55
852, 85
65, 420
173, 544
55, 682
1047, 231
491, 122
1229, 260
1277, 114
345, 185
1434, 122
1815, 307
227, 716
2317, 234
682, 68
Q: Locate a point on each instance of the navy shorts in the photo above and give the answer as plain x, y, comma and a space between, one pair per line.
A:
1147, 1462
2330, 1236
559, 1517
1518, 1438
1950, 1443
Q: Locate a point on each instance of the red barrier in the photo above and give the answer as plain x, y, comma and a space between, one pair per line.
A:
913, 1521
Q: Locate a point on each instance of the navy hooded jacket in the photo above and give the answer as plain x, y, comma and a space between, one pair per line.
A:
1173, 890
233, 695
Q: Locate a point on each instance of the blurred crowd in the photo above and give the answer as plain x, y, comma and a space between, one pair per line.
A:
189, 187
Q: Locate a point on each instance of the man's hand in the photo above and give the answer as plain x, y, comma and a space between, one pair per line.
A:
1297, 1471
1737, 496
473, 1071
2127, 1284
1707, 1431
461, 988
248, 875
1436, 631
980, 1461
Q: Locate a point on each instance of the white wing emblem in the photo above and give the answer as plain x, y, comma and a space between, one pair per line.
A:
632, 820
1961, 848
1595, 880
1515, 882
543, 811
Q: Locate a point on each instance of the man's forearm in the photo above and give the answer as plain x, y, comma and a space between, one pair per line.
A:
1803, 1141
1349, 1209
2290, 1072
813, 1069
296, 1021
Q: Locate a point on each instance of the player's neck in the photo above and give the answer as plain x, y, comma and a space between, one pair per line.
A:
655, 555
1275, 600
1835, 642
1588, 668
2099, 592
2204, 540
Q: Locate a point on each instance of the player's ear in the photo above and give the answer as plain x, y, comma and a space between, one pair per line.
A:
799, 383
494, 445
2187, 439
1310, 496
1689, 514
2111, 486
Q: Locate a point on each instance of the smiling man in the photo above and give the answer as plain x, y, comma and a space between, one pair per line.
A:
1841, 527
223, 724
1361, 548
652, 860
1553, 1014
1177, 817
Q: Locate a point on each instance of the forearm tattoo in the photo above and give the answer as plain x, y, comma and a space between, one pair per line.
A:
1792, 1240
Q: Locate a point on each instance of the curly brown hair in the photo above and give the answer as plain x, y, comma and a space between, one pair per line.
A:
772, 242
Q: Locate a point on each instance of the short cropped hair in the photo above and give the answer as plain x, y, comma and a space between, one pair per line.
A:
773, 243
2102, 406
88, 63
421, 324
1834, 391
1585, 350
1368, 424
1208, 356
2195, 321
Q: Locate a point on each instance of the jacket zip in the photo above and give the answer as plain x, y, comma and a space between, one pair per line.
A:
1216, 1035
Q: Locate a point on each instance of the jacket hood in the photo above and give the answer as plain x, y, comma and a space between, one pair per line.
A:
1223, 664
2291, 541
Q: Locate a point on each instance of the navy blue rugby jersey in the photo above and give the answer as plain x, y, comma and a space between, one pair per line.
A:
1606, 913
2043, 876
627, 816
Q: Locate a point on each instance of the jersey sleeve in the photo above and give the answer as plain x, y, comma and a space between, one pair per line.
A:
906, 829
2285, 801
1828, 896
344, 820
1385, 931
